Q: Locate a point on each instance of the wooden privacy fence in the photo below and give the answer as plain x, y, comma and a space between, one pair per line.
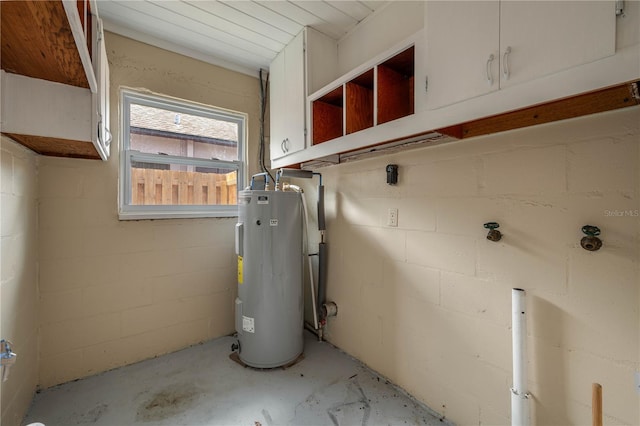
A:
164, 187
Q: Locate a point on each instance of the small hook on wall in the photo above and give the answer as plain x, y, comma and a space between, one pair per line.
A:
494, 234
591, 242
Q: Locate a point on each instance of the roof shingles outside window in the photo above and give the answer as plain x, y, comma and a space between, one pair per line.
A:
146, 117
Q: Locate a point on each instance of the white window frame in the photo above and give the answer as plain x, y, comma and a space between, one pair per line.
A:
128, 211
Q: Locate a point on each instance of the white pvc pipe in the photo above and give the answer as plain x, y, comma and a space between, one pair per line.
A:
519, 394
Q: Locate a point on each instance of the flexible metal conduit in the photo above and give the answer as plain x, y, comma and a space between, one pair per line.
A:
319, 305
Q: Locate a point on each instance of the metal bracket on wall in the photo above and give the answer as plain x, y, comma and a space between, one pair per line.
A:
619, 7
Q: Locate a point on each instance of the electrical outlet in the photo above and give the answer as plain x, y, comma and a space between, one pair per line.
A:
392, 217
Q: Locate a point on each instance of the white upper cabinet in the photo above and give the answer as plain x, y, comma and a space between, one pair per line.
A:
307, 63
277, 106
474, 48
550, 36
462, 50
286, 76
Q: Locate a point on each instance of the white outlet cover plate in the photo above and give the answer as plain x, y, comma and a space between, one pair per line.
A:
392, 217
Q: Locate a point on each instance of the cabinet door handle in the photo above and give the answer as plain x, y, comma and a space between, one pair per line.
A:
489, 76
505, 63
107, 142
285, 145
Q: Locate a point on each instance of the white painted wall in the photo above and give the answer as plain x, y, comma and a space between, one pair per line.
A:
113, 293
427, 304
389, 25
18, 276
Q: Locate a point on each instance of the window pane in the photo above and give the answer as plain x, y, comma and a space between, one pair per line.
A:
175, 184
160, 131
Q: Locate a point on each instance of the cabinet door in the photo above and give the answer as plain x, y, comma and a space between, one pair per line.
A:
545, 37
287, 100
277, 107
321, 65
103, 92
296, 94
102, 136
462, 50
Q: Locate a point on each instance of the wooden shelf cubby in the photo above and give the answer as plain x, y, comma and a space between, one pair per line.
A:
395, 86
359, 102
379, 93
327, 116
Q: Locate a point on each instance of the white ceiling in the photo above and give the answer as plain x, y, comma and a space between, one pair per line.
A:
242, 35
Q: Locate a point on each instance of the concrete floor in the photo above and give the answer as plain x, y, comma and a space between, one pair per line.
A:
202, 386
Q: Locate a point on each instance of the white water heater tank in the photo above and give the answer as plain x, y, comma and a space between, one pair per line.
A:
269, 306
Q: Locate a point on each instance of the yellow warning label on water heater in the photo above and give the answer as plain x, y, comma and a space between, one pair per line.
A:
239, 269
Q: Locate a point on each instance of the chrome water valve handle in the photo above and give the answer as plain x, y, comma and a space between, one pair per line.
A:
7, 358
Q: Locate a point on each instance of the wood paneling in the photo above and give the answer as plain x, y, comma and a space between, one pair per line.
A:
56, 147
327, 122
327, 116
359, 105
395, 95
403, 62
577, 106
37, 42
395, 86
359, 102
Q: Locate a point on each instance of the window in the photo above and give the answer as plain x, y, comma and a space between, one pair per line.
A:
179, 159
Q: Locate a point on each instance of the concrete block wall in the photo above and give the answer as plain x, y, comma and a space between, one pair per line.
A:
427, 304
115, 292
19, 276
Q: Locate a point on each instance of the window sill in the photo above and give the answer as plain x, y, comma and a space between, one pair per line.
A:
147, 215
